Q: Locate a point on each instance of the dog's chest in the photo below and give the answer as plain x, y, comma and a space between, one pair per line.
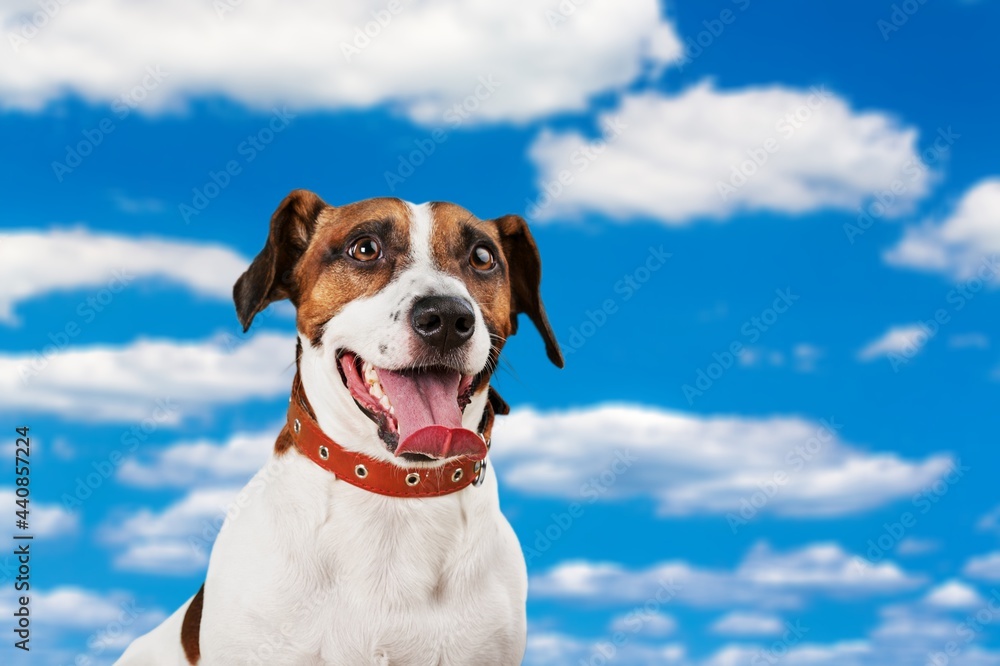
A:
373, 580
415, 587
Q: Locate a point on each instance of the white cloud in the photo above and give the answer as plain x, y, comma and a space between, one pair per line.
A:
426, 58
984, 567
546, 648
907, 340
44, 520
148, 379
162, 557
35, 263
201, 462
953, 594
701, 464
752, 357
915, 546
79, 608
806, 356
110, 620
847, 653
748, 624
176, 540
137, 205
990, 522
645, 623
963, 246
765, 578
913, 633
906, 634
672, 153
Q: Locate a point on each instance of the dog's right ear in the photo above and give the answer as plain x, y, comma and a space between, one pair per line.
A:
269, 277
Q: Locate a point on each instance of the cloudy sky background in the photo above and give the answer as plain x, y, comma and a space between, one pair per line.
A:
769, 235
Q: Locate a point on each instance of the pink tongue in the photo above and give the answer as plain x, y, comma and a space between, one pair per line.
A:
426, 407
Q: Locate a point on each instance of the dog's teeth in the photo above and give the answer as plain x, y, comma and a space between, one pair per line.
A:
370, 375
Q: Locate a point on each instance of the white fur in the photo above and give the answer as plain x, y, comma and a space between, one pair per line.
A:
311, 570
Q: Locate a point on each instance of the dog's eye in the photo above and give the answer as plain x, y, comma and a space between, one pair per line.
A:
482, 258
365, 249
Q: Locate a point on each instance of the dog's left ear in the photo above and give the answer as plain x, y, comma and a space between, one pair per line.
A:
525, 268
269, 277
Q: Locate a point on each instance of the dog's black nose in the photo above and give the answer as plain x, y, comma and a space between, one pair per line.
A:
443, 322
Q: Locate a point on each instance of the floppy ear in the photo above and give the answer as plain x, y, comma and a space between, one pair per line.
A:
269, 277
498, 404
525, 267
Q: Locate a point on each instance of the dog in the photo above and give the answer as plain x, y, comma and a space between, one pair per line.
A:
374, 533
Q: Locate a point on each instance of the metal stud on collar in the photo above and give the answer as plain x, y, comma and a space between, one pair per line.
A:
324, 452
296, 426
456, 476
412, 479
361, 471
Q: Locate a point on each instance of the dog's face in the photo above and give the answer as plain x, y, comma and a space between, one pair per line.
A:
402, 311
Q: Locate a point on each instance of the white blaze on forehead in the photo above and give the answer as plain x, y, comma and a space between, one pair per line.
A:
421, 228
422, 277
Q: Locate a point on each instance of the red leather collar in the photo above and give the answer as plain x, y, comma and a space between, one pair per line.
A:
372, 474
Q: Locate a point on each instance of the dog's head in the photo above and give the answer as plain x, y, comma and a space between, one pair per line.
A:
402, 311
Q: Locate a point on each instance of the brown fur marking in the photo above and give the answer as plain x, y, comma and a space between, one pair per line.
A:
191, 627
327, 280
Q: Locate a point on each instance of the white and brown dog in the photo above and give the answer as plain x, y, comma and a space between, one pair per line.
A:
376, 536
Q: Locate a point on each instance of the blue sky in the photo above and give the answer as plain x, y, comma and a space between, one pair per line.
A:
845, 419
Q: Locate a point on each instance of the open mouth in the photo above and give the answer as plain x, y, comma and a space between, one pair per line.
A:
418, 411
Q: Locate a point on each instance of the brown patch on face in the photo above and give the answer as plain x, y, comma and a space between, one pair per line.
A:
329, 279
454, 235
503, 292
